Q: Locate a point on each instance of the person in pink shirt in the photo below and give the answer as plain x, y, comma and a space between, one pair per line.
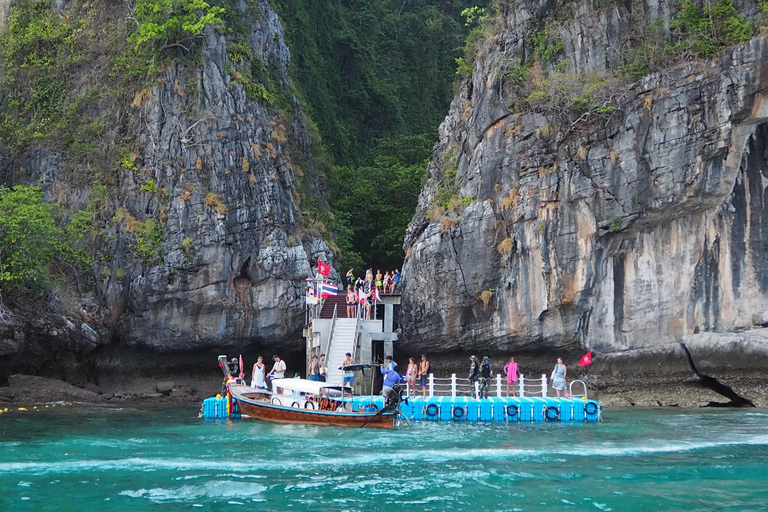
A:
511, 371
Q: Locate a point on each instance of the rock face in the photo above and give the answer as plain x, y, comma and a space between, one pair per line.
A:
621, 234
214, 172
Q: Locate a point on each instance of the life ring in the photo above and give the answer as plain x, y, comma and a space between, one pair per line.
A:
309, 403
512, 412
295, 405
276, 401
552, 413
432, 410
590, 408
458, 412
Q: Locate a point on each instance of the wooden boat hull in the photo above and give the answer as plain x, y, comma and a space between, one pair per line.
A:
263, 410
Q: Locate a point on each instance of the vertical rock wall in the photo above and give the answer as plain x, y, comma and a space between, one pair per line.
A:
218, 172
627, 233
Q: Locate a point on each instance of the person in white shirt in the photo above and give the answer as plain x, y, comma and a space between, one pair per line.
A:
257, 377
278, 370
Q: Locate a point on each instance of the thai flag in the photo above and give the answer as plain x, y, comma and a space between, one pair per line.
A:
328, 289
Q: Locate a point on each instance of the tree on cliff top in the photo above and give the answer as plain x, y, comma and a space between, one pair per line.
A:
172, 22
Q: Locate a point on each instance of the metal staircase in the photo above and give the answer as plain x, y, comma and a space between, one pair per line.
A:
343, 340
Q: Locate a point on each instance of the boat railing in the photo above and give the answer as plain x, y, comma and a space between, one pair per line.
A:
583, 386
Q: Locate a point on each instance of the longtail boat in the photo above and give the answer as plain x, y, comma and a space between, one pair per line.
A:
311, 402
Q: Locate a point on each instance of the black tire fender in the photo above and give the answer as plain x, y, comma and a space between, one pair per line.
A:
512, 411
432, 410
552, 414
590, 408
458, 412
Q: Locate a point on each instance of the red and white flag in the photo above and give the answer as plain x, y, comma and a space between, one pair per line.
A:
376, 296
586, 359
361, 296
323, 268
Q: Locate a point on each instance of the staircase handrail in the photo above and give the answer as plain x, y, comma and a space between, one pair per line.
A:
354, 340
330, 336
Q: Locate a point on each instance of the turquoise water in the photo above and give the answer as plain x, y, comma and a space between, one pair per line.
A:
97, 458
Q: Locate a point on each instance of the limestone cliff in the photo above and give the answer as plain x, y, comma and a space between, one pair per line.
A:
205, 240
637, 223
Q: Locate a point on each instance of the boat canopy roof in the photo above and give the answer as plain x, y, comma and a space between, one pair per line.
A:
306, 386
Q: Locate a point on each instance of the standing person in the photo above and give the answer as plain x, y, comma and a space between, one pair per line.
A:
323, 368
485, 377
391, 379
278, 369
386, 282
474, 375
349, 377
391, 364
313, 370
259, 374
558, 377
350, 278
423, 373
367, 305
395, 280
378, 278
359, 283
410, 376
351, 302
511, 372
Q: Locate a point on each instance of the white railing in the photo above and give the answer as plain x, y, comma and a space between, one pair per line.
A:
461, 386
330, 336
354, 344
583, 385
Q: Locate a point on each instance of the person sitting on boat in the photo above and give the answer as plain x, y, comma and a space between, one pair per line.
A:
391, 379
258, 377
349, 377
278, 369
314, 369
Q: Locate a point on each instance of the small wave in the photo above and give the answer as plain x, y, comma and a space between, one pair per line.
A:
215, 490
437, 456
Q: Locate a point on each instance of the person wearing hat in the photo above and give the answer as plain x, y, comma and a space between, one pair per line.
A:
278, 369
474, 374
485, 377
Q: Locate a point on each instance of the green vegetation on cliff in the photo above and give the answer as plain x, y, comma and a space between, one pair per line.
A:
377, 76
31, 240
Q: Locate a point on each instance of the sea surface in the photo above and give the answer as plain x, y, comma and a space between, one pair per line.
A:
85, 458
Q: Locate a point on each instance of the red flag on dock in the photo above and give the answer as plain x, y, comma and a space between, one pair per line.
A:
242, 373
586, 359
323, 268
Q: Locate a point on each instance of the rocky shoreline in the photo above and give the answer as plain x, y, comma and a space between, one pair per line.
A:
680, 391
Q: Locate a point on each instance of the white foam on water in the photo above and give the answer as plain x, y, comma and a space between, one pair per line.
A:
246, 470
214, 490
